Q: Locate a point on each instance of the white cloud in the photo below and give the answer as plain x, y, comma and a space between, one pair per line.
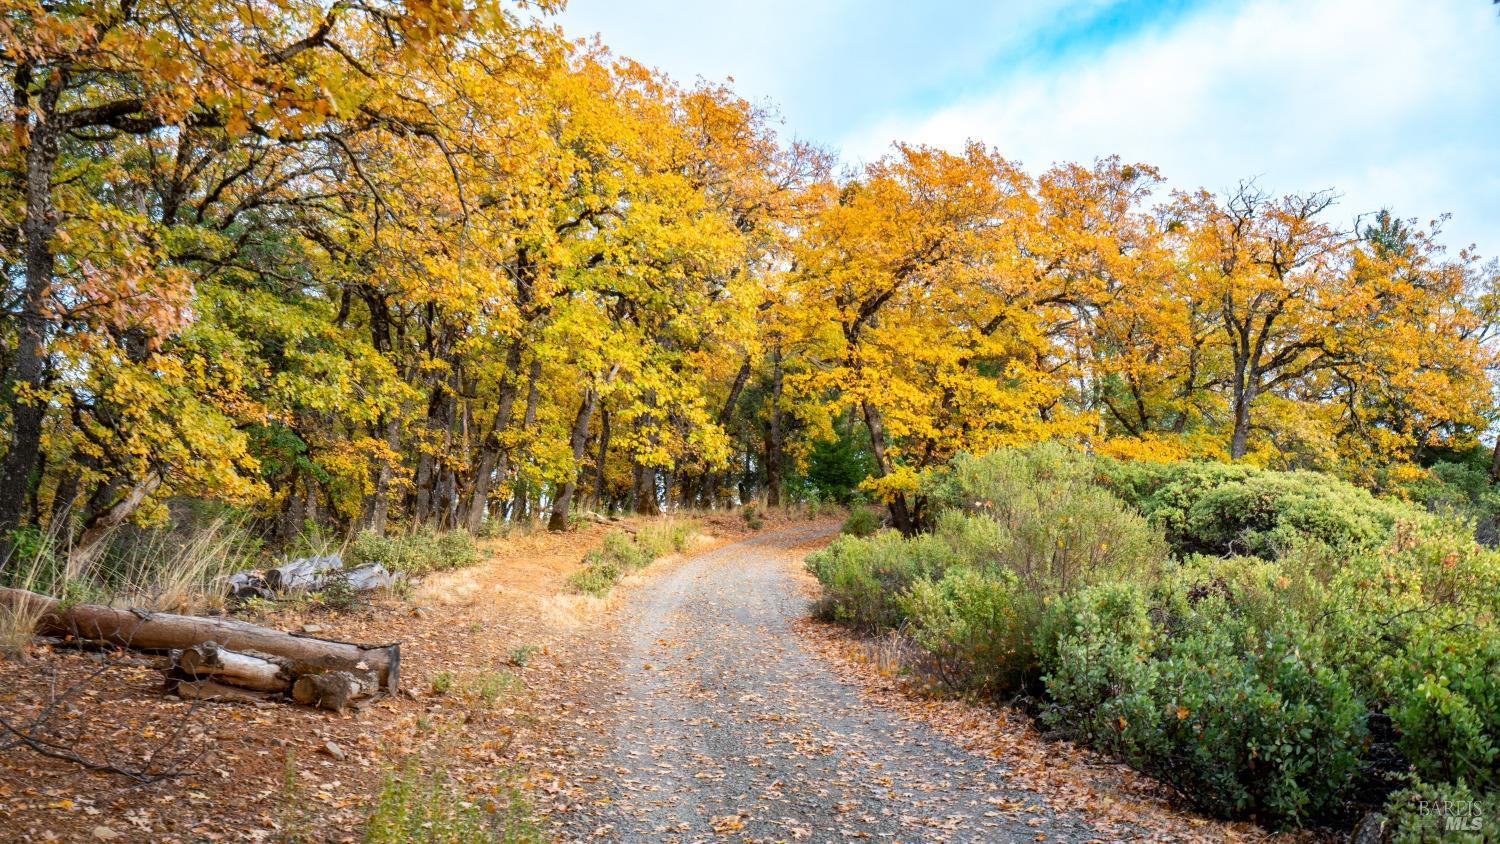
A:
1389, 103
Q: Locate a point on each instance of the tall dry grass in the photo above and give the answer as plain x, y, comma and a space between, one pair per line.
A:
180, 571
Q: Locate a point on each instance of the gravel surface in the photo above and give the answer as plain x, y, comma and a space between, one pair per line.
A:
724, 726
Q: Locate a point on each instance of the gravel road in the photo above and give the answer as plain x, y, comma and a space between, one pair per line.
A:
724, 727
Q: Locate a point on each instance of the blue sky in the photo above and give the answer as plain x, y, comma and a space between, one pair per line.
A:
1390, 103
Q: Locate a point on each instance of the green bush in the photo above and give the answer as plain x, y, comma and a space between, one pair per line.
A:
1437, 813
624, 551
597, 576
1217, 508
620, 553
1230, 629
1243, 719
418, 553
864, 578
862, 521
978, 627
1047, 520
1448, 710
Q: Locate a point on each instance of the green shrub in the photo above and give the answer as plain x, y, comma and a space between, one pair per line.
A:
1048, 521
1448, 710
1242, 719
862, 521
1436, 813
1217, 508
978, 627
864, 578
418, 553
597, 576
752, 517
624, 551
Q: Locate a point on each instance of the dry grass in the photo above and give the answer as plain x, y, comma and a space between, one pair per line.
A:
168, 572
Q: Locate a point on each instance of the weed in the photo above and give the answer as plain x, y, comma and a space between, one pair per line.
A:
442, 682
521, 654
489, 687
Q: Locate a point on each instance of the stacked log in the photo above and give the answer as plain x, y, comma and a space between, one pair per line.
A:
222, 658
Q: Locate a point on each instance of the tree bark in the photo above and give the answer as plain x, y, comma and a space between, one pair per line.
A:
250, 671
28, 365
774, 444
519, 497
332, 690
599, 462
489, 453
578, 439
900, 513
101, 524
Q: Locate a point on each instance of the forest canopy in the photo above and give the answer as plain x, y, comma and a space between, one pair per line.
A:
431, 262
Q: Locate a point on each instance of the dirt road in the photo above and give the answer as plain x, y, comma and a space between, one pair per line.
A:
723, 725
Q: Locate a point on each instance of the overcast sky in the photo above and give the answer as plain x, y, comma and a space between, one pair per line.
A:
1392, 103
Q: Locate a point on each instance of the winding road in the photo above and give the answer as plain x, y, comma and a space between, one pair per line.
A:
724, 726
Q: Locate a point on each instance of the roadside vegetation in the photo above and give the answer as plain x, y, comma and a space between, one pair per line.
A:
621, 553
1281, 646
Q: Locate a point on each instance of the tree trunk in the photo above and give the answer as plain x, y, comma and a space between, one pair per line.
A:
165, 631
646, 503
101, 524
578, 439
774, 445
900, 514
519, 500
378, 505
599, 462
489, 452
332, 690
708, 485
1244, 395
28, 365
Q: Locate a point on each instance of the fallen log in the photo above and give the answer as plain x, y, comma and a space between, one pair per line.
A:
363, 578
211, 691
150, 631
305, 573
333, 690
262, 673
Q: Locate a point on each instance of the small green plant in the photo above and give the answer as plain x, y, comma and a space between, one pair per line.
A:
291, 804
596, 578
427, 805
418, 553
338, 595
442, 682
752, 517
521, 654
862, 521
490, 686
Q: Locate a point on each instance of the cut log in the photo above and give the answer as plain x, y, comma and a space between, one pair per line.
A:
164, 631
250, 671
249, 584
364, 578
211, 690
332, 690
305, 573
